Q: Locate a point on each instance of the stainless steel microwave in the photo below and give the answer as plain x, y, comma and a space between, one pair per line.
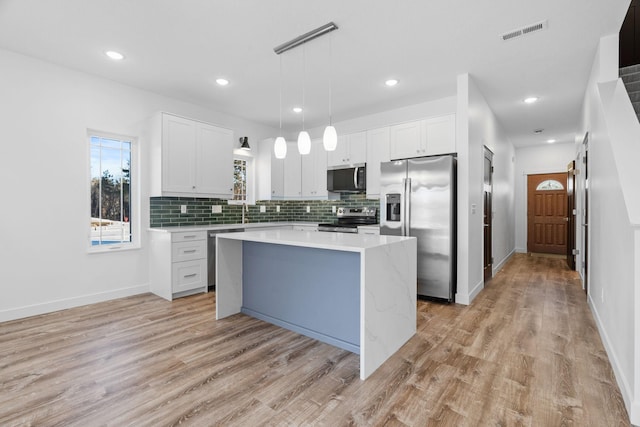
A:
352, 179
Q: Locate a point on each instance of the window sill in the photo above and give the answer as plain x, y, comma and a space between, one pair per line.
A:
113, 248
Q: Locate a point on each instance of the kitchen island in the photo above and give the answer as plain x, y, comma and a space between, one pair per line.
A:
357, 292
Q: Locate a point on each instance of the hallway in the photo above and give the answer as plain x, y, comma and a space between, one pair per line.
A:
526, 352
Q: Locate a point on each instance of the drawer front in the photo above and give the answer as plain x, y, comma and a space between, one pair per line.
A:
369, 230
188, 275
186, 236
188, 251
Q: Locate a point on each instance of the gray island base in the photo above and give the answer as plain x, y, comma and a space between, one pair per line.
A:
356, 292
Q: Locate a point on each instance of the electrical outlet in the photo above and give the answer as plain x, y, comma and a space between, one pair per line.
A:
308, 209
216, 209
278, 208
183, 209
333, 209
473, 208
263, 209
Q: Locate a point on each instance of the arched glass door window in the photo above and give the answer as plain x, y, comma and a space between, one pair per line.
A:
549, 185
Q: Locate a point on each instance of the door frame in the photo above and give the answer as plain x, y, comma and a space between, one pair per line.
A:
487, 215
582, 206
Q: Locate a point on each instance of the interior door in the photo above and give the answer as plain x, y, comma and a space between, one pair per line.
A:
547, 213
488, 191
571, 214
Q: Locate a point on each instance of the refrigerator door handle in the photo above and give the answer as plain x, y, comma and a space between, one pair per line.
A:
407, 207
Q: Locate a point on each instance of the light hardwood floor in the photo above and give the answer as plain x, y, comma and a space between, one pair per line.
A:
526, 352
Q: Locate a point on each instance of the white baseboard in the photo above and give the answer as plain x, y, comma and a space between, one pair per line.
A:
633, 408
466, 299
62, 304
501, 264
521, 250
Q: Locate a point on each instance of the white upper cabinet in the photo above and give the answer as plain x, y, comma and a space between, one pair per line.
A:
292, 170
195, 158
314, 172
377, 152
435, 135
441, 134
351, 149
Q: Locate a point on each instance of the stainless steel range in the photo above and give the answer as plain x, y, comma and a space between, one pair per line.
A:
348, 220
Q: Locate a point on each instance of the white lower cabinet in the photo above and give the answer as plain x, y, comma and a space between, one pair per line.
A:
178, 265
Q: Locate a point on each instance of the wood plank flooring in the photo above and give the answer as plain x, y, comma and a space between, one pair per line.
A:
525, 353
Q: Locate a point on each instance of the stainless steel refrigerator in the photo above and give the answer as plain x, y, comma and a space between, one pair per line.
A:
418, 198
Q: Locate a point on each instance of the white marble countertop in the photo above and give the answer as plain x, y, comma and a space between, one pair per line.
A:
208, 227
312, 239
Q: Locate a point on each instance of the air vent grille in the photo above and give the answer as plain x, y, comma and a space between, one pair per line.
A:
538, 26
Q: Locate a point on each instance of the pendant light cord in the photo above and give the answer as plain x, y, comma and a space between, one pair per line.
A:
280, 95
304, 62
330, 77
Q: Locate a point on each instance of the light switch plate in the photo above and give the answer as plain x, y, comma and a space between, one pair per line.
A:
308, 209
333, 209
216, 209
263, 209
277, 208
183, 209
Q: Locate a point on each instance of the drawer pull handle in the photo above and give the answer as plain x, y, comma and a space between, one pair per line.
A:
190, 237
190, 251
190, 275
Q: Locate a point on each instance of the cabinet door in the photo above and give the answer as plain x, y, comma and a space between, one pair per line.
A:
277, 177
314, 171
292, 169
441, 135
377, 152
405, 140
351, 149
357, 148
339, 156
214, 161
178, 154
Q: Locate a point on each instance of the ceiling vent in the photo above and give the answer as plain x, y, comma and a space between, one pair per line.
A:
538, 26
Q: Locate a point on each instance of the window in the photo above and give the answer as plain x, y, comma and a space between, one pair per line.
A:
111, 160
243, 179
240, 179
549, 185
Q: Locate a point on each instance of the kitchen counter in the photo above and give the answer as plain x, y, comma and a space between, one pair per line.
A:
354, 291
209, 227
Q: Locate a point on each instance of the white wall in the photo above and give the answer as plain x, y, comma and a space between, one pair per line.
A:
46, 111
533, 160
612, 261
477, 127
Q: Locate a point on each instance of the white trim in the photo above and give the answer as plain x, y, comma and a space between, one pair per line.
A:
625, 388
63, 304
466, 299
498, 267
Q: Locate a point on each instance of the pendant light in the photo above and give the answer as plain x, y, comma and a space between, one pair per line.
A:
304, 141
280, 146
330, 136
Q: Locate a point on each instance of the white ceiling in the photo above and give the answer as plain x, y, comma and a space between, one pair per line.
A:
178, 48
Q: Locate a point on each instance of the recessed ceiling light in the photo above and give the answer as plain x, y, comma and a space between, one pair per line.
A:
530, 100
222, 82
391, 82
297, 110
551, 141
116, 56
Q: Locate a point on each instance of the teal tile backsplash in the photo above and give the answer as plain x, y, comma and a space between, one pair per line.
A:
165, 211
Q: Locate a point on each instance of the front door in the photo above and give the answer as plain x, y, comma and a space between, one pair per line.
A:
547, 213
571, 214
488, 187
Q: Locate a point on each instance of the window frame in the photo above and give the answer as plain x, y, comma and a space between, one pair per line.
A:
134, 193
251, 181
